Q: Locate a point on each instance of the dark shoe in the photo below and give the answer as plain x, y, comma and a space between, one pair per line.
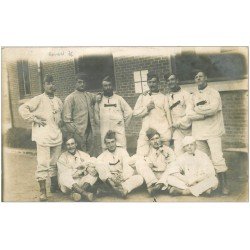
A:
223, 183
154, 188
75, 196
54, 184
43, 195
175, 191
85, 193
118, 189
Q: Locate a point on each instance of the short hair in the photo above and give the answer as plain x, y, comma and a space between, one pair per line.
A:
110, 135
48, 78
82, 76
151, 75
166, 76
107, 79
68, 137
151, 132
196, 71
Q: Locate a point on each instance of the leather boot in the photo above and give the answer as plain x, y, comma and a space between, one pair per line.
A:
75, 196
118, 189
43, 195
53, 184
85, 195
223, 183
154, 188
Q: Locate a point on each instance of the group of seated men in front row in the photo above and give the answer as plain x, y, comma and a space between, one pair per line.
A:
193, 121
115, 172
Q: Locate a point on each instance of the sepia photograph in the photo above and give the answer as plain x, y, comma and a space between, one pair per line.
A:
125, 124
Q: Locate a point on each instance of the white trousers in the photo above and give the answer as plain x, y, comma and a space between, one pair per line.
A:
197, 189
46, 161
66, 181
212, 147
130, 183
150, 176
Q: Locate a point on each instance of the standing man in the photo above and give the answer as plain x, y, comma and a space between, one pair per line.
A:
113, 114
192, 173
117, 172
78, 114
44, 111
208, 126
153, 108
76, 172
178, 100
152, 167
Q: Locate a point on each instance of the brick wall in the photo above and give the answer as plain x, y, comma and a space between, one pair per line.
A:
235, 109
64, 76
235, 113
124, 68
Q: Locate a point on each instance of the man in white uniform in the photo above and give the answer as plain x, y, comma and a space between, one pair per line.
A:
44, 111
76, 172
153, 108
116, 172
178, 100
192, 173
153, 166
113, 113
208, 126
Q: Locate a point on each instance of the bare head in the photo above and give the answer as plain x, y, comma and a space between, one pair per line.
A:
153, 82
107, 86
201, 78
110, 141
81, 82
48, 85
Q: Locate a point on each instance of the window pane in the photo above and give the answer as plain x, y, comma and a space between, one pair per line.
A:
26, 79
144, 75
137, 76
138, 87
145, 86
217, 66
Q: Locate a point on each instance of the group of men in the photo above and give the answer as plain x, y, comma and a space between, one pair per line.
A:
194, 123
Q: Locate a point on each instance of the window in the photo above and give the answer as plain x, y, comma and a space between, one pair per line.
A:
223, 66
23, 78
140, 81
96, 67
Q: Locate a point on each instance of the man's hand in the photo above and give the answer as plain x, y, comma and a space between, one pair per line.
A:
40, 121
176, 125
80, 167
146, 92
151, 106
78, 173
98, 97
91, 170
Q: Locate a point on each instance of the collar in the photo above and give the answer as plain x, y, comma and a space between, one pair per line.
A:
174, 90
202, 87
50, 97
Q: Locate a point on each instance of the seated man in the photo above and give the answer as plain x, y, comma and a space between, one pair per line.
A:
76, 171
193, 172
116, 171
152, 166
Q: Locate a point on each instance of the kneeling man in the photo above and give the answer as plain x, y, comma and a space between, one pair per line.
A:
193, 172
153, 166
76, 171
115, 170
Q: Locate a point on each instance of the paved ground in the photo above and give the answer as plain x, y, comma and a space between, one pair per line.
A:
19, 183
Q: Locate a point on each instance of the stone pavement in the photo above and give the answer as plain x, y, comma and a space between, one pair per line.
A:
19, 182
